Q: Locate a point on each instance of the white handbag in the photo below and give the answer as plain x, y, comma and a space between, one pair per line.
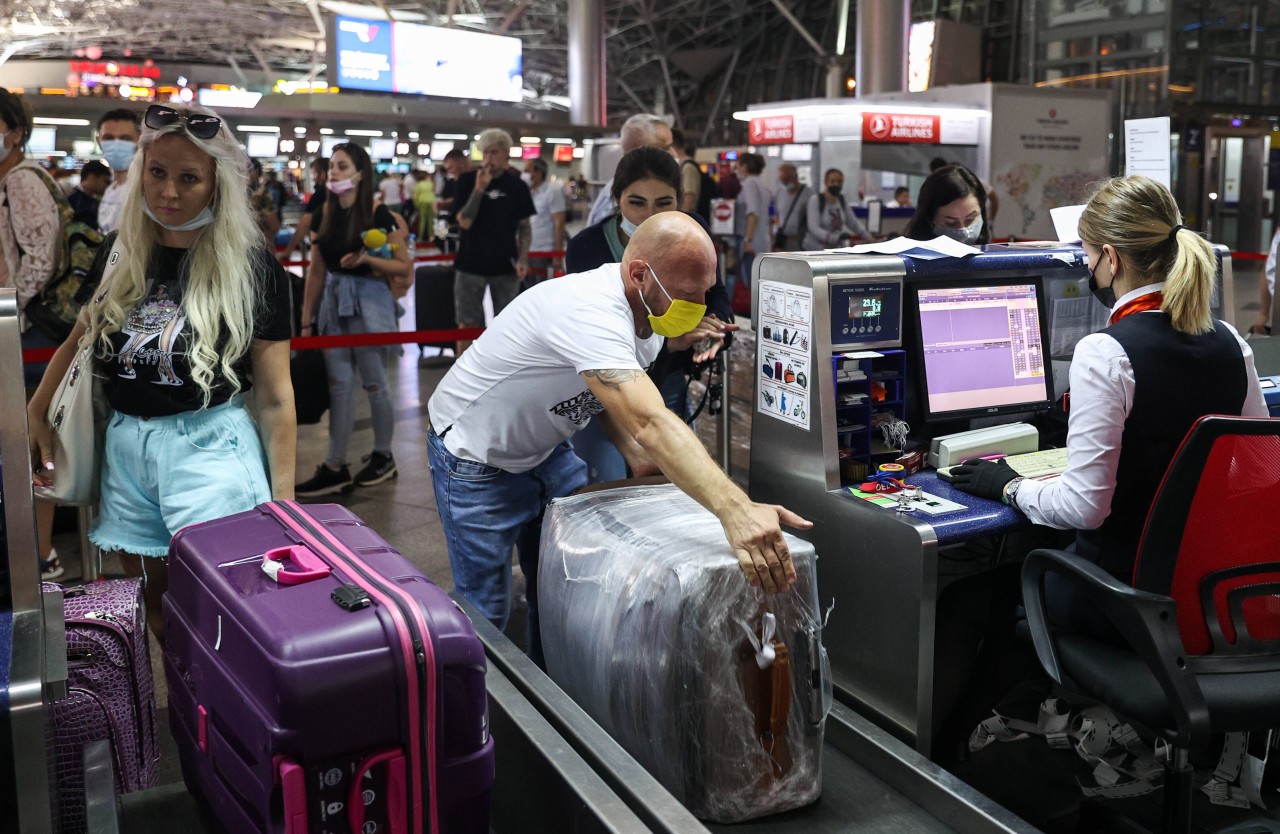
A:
78, 416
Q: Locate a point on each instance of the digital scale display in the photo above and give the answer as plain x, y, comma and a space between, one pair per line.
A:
866, 313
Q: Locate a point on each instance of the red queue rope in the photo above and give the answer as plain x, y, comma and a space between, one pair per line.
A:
34, 355
429, 259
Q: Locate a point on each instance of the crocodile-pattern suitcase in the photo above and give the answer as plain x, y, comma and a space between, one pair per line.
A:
110, 693
319, 682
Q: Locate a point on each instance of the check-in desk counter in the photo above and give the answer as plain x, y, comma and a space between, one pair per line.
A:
883, 569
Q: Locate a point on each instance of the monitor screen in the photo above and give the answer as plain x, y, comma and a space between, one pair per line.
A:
982, 347
263, 145
382, 148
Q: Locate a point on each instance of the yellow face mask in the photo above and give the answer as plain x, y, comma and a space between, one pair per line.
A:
681, 317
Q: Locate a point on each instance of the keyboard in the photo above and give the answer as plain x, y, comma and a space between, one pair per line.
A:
1029, 465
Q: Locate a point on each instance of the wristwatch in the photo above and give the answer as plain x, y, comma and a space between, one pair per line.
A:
1011, 490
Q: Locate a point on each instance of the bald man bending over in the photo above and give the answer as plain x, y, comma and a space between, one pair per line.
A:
560, 354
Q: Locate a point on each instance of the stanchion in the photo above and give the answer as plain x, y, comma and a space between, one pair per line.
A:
726, 415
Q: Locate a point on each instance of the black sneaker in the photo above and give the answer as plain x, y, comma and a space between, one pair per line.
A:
325, 482
379, 468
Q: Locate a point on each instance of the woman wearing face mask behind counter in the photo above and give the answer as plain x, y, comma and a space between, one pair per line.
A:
952, 202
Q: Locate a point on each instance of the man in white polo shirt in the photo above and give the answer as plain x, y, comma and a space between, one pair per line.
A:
561, 354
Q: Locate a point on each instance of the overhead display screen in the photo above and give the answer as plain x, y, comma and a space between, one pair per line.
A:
394, 57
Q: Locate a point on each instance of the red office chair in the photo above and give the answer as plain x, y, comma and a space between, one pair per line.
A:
1203, 615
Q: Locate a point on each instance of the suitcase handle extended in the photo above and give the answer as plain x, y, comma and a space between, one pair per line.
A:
397, 807
300, 555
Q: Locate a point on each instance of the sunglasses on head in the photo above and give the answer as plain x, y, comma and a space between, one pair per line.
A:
198, 124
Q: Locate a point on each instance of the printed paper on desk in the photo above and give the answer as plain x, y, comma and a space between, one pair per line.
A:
1066, 222
940, 247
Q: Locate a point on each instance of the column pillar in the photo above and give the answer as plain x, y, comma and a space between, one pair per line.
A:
882, 31
586, 63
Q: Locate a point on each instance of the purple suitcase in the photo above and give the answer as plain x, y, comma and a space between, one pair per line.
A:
110, 693
294, 713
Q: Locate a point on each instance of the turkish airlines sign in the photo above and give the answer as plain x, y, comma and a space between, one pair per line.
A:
910, 128
771, 130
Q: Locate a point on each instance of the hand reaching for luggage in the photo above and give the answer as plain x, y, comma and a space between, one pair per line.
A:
755, 533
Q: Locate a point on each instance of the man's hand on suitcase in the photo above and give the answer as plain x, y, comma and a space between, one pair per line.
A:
755, 532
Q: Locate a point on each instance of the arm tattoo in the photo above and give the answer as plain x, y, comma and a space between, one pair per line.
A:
614, 378
524, 237
472, 207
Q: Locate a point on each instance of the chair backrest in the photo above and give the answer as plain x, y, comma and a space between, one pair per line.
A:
1212, 538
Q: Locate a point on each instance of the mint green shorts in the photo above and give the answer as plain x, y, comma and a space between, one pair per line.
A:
160, 474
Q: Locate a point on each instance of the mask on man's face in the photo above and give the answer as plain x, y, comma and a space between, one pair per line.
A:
681, 317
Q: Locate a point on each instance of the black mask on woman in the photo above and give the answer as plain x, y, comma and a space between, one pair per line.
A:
834, 190
1106, 295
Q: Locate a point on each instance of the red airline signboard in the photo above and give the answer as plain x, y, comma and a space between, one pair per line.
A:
770, 130
915, 128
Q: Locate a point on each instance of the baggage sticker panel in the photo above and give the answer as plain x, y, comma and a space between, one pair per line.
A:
783, 371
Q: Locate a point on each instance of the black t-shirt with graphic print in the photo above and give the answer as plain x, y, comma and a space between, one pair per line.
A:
334, 244
489, 246
149, 374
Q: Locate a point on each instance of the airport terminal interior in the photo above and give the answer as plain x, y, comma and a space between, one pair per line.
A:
976, 613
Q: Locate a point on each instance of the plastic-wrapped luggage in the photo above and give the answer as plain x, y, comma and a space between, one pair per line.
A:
717, 688
319, 683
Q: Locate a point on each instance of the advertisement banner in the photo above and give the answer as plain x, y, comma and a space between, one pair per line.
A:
771, 130
364, 54
909, 128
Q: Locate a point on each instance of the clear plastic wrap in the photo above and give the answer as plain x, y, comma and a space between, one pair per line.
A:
649, 624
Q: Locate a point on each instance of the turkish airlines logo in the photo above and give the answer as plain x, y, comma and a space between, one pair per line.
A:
880, 125
767, 130
366, 32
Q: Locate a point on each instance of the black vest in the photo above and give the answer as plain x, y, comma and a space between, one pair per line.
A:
1178, 378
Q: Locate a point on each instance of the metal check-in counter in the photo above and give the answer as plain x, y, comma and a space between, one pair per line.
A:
558, 770
33, 658
883, 569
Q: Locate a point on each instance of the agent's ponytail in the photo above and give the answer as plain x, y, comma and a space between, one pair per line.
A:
1189, 285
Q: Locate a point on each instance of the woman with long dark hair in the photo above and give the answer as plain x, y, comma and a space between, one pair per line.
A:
646, 182
355, 297
952, 202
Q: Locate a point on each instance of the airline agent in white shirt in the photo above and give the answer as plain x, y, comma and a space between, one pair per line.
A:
560, 354
1161, 363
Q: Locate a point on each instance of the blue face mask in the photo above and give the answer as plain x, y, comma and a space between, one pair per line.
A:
204, 218
118, 153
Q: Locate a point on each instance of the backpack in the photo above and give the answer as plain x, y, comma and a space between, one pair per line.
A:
54, 309
708, 189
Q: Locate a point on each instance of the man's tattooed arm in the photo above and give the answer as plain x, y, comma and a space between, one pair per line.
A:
614, 378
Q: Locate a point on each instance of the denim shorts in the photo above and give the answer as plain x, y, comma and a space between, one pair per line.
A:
161, 474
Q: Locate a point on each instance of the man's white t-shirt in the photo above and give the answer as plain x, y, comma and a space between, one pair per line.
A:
109, 206
390, 188
516, 393
547, 199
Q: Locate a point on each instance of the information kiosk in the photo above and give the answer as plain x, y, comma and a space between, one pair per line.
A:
851, 347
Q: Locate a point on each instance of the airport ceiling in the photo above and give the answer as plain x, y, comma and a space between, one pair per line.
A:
674, 56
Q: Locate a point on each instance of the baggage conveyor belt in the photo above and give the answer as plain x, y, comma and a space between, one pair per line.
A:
588, 783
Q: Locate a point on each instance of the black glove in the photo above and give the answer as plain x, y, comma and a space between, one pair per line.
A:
983, 478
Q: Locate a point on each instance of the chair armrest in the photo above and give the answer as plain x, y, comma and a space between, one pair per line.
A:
1147, 621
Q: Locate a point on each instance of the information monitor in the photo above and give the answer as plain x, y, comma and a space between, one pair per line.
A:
982, 347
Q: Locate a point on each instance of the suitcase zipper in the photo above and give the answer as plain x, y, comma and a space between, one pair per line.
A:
403, 608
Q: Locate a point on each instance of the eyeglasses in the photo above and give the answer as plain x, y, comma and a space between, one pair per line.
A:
198, 124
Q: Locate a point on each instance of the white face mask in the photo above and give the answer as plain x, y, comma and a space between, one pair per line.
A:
628, 228
204, 218
527, 177
965, 234
4, 149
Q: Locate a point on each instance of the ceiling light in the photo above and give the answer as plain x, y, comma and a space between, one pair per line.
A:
299, 131
452, 136
558, 140
326, 131
530, 140
258, 129
360, 132
413, 135
49, 120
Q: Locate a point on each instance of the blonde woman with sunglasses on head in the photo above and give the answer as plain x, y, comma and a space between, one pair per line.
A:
194, 314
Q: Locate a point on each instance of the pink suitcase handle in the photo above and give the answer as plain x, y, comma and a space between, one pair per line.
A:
397, 807
293, 792
312, 567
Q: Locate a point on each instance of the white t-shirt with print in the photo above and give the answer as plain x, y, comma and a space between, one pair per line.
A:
516, 393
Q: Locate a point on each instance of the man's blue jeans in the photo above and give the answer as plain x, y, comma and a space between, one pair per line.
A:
485, 512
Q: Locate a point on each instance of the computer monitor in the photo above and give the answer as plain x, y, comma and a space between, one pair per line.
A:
982, 347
